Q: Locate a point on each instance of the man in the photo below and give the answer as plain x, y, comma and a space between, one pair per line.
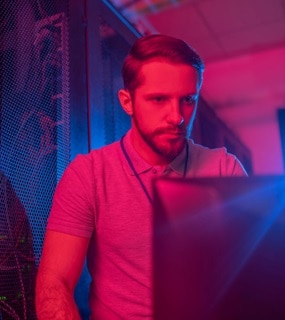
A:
103, 204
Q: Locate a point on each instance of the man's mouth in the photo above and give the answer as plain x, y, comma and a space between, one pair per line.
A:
175, 132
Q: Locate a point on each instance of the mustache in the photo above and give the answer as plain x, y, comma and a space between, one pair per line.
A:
170, 129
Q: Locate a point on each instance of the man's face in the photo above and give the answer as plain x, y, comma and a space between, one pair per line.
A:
163, 108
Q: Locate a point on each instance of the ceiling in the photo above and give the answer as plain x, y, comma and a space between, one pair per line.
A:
218, 29
242, 43
225, 32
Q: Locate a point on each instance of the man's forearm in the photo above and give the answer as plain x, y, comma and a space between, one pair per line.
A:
54, 301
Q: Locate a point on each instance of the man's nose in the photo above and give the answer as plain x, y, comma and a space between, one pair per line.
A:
174, 115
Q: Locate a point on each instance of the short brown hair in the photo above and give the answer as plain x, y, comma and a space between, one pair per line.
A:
158, 47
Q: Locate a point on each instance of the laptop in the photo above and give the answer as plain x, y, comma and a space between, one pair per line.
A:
219, 248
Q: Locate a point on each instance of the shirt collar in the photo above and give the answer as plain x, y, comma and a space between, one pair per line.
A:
178, 164
138, 162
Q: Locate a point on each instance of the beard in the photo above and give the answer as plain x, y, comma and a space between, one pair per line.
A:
161, 140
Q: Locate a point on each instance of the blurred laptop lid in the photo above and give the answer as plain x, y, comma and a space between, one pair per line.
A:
219, 248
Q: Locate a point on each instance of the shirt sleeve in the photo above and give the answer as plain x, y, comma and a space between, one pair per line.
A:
73, 211
206, 162
231, 166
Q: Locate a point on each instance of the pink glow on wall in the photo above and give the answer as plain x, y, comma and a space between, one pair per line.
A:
246, 93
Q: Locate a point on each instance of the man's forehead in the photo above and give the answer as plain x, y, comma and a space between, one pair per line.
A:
159, 72
164, 63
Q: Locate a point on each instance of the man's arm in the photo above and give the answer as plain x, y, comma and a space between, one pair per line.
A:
60, 268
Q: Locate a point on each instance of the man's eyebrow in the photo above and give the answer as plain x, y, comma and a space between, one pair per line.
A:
164, 94
156, 94
192, 95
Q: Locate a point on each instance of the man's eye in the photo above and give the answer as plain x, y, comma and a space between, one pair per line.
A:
189, 99
159, 99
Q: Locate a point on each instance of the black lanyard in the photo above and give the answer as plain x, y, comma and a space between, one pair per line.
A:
137, 175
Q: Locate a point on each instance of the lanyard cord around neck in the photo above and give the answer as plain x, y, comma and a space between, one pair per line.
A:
136, 173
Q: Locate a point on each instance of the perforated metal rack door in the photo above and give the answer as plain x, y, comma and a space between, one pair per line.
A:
35, 142
110, 38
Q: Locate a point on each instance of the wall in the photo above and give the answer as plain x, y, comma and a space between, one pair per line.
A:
252, 109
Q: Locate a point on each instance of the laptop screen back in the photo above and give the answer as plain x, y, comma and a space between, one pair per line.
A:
219, 248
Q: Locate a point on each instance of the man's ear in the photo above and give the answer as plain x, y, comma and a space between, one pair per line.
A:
126, 101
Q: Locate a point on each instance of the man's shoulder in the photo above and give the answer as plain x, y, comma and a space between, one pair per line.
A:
108, 150
95, 159
200, 150
216, 161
